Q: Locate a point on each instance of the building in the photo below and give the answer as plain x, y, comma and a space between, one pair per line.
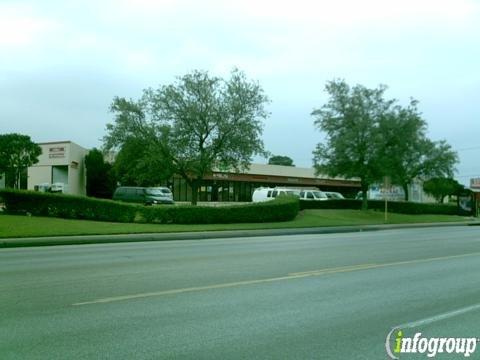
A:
475, 188
233, 186
60, 162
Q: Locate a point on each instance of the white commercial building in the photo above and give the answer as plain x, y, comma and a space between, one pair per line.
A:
61, 162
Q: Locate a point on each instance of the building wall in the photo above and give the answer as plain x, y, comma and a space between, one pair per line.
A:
38, 175
61, 154
76, 169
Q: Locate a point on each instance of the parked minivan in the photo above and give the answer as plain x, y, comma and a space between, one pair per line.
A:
332, 195
143, 195
267, 194
313, 195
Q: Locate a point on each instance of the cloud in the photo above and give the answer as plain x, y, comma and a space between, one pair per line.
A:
20, 27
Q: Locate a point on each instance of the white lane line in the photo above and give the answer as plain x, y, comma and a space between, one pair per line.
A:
439, 317
290, 276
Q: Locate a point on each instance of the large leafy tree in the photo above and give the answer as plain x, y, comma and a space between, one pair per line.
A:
100, 177
280, 160
195, 125
135, 166
440, 187
350, 119
407, 153
17, 153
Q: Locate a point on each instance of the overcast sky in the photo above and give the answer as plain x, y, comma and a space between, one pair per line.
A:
62, 62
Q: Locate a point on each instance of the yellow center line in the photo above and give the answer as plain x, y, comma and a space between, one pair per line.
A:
290, 276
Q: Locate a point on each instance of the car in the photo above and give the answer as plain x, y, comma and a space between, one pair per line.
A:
313, 195
144, 195
267, 194
333, 195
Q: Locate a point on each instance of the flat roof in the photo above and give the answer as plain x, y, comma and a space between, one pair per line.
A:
281, 170
61, 142
54, 142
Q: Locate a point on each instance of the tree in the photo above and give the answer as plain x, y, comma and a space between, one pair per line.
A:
135, 166
280, 160
351, 120
407, 153
441, 187
17, 153
101, 182
195, 125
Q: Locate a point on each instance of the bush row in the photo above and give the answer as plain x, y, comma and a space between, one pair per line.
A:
66, 206
79, 207
393, 206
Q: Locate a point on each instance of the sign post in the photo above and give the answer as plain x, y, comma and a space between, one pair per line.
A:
386, 187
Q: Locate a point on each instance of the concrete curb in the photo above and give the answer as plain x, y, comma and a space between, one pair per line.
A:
107, 239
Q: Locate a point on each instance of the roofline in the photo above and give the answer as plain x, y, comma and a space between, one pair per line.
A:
55, 142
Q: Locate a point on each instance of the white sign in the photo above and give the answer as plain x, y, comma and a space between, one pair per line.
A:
475, 183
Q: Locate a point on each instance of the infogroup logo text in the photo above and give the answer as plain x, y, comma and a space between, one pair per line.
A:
429, 346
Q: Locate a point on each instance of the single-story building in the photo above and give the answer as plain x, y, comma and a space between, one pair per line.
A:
475, 188
233, 186
61, 162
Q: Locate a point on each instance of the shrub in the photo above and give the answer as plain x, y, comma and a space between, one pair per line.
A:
393, 206
66, 206
280, 209
78, 207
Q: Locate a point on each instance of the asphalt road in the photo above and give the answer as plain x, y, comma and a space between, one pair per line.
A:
332, 296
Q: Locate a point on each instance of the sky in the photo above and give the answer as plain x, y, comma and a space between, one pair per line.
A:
62, 62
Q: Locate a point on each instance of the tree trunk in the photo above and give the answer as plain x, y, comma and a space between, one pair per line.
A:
405, 190
194, 186
364, 196
17, 179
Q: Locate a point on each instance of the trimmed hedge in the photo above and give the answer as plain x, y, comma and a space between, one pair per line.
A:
281, 209
66, 206
393, 206
79, 207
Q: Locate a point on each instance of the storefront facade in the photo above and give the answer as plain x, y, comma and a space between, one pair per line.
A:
238, 187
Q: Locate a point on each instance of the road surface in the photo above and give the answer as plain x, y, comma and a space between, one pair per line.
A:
332, 296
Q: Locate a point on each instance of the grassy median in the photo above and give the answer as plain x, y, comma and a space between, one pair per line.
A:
30, 226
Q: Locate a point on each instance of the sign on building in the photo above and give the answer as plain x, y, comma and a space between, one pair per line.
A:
475, 183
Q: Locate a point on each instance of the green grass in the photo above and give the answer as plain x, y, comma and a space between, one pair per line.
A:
29, 226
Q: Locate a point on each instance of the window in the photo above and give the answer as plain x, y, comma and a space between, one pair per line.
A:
269, 194
310, 195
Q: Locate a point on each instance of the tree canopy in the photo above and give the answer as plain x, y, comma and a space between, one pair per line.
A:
280, 160
440, 187
350, 120
194, 125
407, 153
17, 152
369, 137
135, 164
101, 182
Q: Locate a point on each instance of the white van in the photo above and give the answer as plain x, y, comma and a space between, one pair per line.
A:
334, 195
267, 194
313, 195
